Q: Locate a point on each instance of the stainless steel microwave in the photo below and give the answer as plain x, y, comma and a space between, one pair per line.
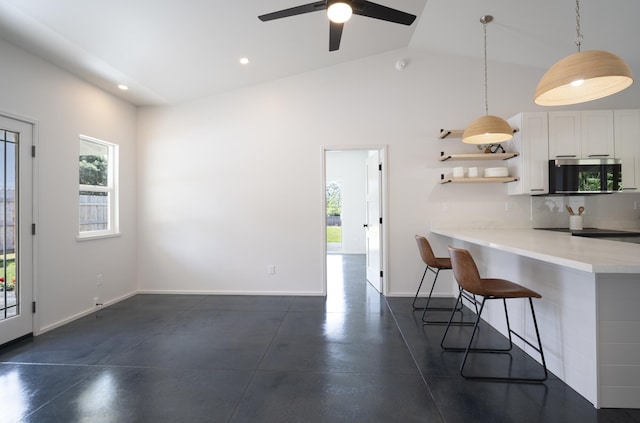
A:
584, 176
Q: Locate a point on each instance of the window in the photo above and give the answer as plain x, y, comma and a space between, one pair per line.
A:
98, 189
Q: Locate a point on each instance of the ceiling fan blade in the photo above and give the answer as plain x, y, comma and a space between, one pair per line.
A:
378, 11
298, 10
335, 34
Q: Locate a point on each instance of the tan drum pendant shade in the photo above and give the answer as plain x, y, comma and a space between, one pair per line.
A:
582, 77
487, 130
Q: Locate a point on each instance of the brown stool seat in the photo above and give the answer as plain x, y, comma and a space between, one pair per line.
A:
440, 263
466, 273
506, 289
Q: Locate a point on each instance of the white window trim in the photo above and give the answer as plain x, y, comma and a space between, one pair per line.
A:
111, 188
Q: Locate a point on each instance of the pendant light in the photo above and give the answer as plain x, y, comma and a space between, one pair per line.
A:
583, 76
487, 129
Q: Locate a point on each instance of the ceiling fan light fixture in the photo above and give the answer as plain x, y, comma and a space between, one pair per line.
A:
339, 12
581, 77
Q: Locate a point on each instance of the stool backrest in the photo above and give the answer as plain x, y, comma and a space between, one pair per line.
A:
465, 271
426, 253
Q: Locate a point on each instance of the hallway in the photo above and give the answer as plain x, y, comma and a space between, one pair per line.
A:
197, 358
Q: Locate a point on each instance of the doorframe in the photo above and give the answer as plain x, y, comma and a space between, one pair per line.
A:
384, 238
35, 137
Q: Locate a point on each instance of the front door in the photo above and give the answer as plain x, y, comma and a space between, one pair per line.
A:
16, 281
374, 223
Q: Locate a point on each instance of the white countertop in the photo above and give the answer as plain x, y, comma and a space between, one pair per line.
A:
587, 254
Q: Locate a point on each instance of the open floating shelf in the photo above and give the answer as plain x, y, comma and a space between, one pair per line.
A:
506, 179
477, 156
453, 133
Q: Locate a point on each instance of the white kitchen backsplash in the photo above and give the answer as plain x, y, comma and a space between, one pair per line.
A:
609, 211
482, 208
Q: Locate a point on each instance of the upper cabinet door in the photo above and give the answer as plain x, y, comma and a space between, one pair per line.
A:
564, 135
531, 166
581, 135
597, 133
627, 139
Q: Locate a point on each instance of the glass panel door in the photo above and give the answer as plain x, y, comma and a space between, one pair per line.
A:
16, 287
9, 285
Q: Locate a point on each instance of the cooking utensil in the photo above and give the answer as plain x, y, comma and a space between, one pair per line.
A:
580, 210
570, 210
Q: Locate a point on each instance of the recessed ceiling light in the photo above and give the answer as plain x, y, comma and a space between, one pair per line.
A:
123, 87
244, 61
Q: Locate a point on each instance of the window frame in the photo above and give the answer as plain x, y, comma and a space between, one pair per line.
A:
113, 224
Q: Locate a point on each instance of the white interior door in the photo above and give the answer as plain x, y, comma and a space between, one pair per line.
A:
16, 252
373, 225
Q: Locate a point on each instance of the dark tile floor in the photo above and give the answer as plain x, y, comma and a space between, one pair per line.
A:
352, 357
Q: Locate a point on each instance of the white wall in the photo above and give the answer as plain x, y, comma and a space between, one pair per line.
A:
64, 107
215, 173
219, 188
348, 166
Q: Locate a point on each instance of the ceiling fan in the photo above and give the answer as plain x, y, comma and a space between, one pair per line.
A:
339, 11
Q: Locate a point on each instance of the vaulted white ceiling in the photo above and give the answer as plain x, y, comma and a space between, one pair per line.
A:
169, 51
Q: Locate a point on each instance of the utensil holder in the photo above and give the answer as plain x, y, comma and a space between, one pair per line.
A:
575, 223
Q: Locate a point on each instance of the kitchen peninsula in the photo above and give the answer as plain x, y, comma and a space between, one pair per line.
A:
588, 315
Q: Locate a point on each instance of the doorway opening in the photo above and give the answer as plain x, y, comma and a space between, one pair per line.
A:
353, 209
333, 194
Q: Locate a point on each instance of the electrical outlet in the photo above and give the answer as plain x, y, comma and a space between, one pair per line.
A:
271, 269
96, 301
99, 279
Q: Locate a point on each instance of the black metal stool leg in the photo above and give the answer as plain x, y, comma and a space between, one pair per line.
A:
453, 312
456, 308
418, 291
538, 348
476, 325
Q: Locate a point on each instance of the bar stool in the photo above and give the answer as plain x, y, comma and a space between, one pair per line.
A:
466, 273
435, 265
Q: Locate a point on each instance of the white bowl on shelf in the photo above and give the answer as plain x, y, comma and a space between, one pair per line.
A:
496, 172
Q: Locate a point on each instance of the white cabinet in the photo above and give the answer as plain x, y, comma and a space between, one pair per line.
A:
627, 147
531, 166
564, 135
597, 133
585, 134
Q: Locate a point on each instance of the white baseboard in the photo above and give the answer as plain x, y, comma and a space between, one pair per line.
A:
81, 314
412, 294
199, 292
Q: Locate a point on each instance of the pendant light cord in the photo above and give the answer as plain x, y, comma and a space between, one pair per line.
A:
486, 90
578, 34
